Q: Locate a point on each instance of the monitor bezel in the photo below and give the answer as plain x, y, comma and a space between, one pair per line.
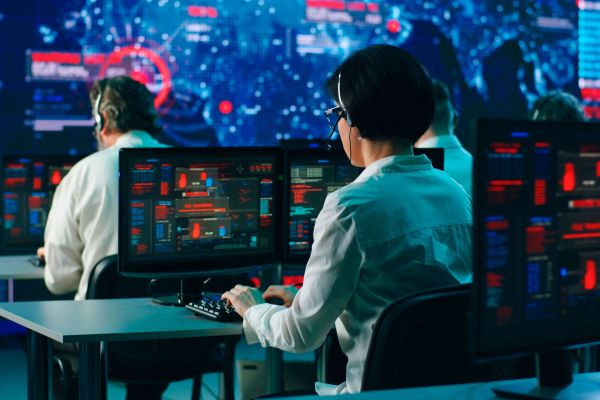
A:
475, 331
187, 267
26, 249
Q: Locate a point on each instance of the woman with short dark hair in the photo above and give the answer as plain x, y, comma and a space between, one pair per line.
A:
400, 227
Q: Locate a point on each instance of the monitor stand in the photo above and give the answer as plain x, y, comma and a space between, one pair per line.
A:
173, 299
179, 299
555, 381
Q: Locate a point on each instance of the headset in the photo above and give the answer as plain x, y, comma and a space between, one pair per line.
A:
97, 115
348, 119
346, 114
340, 110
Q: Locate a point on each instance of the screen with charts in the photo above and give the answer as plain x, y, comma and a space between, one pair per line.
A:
537, 212
312, 174
190, 210
28, 185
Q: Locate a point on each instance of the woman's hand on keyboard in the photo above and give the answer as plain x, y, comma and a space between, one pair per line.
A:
283, 292
242, 298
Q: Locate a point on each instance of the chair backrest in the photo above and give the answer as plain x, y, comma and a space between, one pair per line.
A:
163, 360
105, 283
421, 340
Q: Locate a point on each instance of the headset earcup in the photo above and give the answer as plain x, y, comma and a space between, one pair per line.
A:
97, 115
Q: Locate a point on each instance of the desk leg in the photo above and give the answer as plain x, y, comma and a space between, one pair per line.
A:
274, 361
11, 290
39, 359
274, 366
90, 371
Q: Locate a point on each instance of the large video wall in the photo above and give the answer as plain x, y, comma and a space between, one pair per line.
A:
252, 72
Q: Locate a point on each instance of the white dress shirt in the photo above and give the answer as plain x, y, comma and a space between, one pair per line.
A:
82, 224
458, 162
400, 227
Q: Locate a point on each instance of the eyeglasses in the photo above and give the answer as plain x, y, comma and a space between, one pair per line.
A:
333, 115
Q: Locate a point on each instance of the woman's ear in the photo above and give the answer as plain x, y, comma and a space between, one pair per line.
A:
358, 136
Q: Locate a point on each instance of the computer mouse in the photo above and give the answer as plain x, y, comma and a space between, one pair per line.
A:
37, 261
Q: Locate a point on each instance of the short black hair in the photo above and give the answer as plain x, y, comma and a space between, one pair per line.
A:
557, 106
443, 116
128, 104
386, 92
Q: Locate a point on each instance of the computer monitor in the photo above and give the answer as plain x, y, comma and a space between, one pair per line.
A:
435, 155
198, 211
28, 185
537, 243
310, 175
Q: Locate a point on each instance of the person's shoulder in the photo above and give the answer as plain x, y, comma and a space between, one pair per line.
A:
457, 193
341, 206
443, 178
460, 148
466, 154
95, 162
350, 198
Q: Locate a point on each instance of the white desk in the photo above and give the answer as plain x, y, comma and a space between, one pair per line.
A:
91, 322
470, 391
18, 267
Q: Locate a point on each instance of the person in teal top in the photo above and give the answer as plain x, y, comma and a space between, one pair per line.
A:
458, 162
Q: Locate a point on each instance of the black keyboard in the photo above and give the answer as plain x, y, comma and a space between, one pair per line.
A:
211, 306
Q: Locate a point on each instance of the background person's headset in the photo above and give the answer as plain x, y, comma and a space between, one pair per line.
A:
99, 119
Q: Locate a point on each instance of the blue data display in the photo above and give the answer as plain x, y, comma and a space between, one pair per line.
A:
252, 72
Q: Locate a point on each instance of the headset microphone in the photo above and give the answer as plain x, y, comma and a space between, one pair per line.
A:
328, 141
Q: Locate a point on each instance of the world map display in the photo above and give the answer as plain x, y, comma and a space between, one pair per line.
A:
252, 72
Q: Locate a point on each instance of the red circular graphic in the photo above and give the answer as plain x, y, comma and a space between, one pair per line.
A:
225, 107
139, 76
393, 26
117, 57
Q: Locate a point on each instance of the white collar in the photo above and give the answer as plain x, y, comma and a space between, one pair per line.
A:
445, 141
134, 138
395, 164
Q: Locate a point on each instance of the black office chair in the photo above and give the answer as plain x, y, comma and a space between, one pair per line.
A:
331, 360
422, 340
153, 361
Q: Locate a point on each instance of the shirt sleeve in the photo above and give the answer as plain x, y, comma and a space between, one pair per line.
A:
330, 280
62, 243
